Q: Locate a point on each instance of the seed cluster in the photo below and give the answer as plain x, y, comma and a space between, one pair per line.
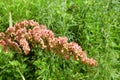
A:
29, 32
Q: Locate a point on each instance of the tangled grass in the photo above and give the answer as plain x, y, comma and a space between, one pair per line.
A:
92, 24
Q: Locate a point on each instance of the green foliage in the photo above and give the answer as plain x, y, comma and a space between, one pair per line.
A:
10, 66
94, 24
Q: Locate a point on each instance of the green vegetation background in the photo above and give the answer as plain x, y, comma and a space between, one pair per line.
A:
93, 24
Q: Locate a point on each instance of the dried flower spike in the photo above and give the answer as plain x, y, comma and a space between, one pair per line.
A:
29, 32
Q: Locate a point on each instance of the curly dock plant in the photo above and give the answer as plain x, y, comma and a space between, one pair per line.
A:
28, 32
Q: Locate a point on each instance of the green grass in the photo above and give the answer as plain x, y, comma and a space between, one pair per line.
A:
93, 24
